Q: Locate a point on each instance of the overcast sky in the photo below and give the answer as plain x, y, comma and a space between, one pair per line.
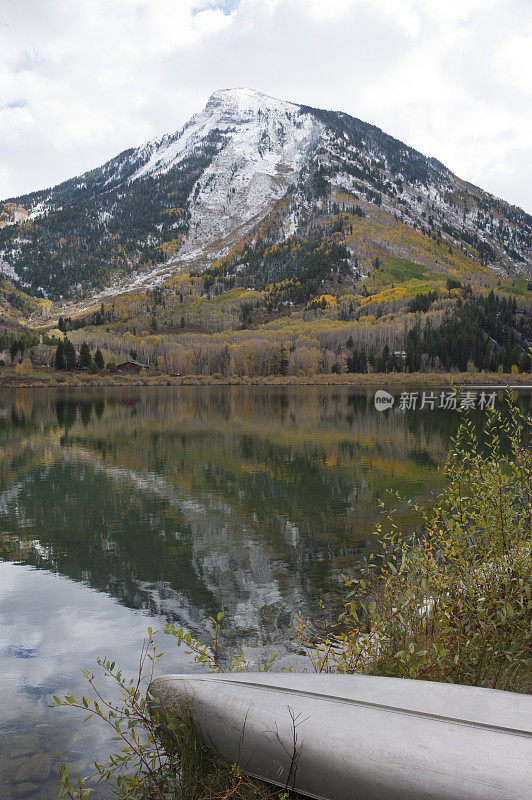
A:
81, 80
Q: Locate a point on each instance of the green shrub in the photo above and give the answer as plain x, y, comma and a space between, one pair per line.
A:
453, 602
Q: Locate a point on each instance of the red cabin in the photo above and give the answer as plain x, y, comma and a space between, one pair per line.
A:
131, 366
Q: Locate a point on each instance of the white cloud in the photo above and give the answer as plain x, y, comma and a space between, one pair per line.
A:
15, 120
81, 81
512, 62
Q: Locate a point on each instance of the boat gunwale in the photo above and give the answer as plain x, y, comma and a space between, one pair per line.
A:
352, 701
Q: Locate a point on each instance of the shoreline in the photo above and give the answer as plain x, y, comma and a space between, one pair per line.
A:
58, 380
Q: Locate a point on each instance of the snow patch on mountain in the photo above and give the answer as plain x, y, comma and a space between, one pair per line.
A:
267, 143
7, 270
263, 157
226, 110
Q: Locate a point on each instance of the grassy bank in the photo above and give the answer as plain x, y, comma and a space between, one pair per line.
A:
49, 378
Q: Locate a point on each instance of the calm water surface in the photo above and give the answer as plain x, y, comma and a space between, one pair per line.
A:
125, 508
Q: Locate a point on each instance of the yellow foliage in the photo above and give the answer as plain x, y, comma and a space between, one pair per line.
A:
330, 301
169, 248
386, 295
250, 294
24, 368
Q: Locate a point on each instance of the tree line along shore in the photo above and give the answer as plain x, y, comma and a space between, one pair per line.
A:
474, 334
50, 378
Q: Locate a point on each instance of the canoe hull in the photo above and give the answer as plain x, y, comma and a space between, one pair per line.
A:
338, 737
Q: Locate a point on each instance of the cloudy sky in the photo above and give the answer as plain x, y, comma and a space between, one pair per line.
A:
81, 81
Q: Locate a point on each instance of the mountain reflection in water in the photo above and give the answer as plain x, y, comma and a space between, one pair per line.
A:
122, 506
190, 501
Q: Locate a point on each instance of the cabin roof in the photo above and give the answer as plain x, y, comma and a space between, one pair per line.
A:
135, 363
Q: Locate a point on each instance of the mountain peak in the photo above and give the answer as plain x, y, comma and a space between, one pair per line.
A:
236, 92
241, 99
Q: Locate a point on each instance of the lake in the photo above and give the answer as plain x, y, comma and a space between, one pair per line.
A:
124, 508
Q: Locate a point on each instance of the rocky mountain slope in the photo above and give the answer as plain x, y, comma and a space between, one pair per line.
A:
246, 173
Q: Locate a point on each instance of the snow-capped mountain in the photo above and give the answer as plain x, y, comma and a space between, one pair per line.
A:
188, 198
265, 145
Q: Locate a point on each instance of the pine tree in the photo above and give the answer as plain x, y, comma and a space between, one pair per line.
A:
283, 362
85, 358
413, 348
69, 354
59, 361
98, 359
14, 348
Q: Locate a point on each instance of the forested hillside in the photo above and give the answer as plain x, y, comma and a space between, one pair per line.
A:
184, 330
92, 234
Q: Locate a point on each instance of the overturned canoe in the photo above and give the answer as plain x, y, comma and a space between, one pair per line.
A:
339, 737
